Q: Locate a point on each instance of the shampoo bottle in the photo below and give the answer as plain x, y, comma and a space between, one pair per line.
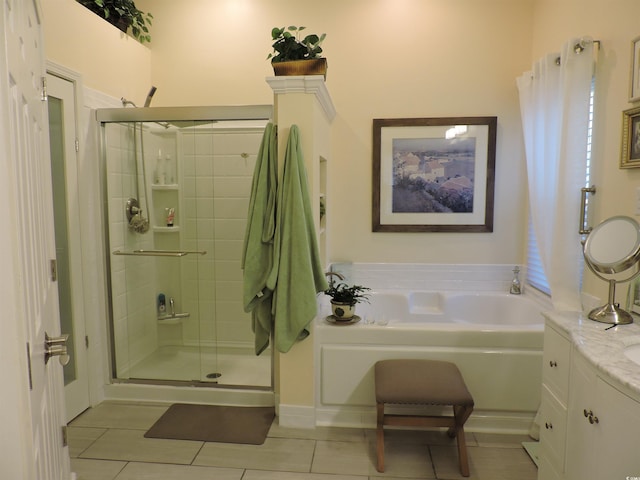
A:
162, 304
161, 173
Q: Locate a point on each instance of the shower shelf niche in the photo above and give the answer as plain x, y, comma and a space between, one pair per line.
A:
174, 229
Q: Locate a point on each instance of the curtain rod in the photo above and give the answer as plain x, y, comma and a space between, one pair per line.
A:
580, 46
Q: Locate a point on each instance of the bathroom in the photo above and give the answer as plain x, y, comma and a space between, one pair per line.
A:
471, 73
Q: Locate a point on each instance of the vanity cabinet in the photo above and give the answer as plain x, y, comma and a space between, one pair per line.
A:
556, 359
593, 431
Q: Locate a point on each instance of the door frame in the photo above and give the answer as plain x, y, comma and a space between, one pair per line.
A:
76, 392
89, 199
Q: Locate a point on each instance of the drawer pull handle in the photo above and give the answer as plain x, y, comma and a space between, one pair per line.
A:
590, 416
553, 363
548, 425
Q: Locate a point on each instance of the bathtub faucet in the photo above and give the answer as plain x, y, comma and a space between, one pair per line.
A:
516, 288
333, 274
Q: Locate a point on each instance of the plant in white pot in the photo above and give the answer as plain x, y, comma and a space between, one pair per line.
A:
344, 299
295, 56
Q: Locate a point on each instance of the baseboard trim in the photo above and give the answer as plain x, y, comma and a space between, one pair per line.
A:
296, 416
480, 421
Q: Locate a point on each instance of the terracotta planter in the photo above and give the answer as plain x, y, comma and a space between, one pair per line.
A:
314, 66
342, 311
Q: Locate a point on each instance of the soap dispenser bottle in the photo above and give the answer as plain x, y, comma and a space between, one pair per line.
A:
516, 288
162, 304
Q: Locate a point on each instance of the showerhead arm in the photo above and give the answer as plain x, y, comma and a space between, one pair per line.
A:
150, 95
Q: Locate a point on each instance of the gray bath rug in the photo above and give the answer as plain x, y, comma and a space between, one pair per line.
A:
213, 423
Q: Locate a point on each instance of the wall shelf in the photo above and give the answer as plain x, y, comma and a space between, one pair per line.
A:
168, 186
174, 229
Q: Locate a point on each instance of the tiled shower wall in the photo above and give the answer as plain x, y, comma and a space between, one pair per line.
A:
213, 171
132, 278
216, 173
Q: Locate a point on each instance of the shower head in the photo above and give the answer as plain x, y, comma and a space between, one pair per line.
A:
150, 95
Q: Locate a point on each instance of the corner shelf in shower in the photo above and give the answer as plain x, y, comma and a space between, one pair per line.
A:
174, 229
173, 319
168, 186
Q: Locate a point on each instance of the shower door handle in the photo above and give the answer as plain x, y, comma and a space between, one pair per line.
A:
161, 253
584, 228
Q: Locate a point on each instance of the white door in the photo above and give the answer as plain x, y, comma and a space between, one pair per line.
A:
64, 170
31, 440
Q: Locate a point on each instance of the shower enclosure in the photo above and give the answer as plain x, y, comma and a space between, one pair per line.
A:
176, 190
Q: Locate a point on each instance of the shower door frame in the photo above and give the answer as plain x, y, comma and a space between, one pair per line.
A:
161, 115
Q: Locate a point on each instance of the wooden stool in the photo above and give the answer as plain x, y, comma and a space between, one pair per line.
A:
422, 382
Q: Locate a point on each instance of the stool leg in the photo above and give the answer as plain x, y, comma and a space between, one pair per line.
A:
380, 436
461, 414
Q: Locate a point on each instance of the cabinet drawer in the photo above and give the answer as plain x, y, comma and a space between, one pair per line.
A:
555, 366
553, 430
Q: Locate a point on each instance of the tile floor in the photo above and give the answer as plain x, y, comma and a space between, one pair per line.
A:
107, 443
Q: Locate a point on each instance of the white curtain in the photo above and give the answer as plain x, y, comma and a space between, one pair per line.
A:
554, 104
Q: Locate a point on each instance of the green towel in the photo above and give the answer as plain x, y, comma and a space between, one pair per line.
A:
297, 273
257, 252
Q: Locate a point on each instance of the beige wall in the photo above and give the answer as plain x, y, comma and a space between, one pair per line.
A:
614, 23
410, 58
109, 61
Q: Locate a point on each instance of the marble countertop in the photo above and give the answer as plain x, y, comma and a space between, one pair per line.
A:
602, 345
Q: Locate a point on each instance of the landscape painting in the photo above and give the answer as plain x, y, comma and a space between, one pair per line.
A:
433, 174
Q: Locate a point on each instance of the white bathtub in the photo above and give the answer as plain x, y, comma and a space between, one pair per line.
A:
494, 338
487, 309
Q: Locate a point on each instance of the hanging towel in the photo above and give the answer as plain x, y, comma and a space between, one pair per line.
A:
257, 252
297, 273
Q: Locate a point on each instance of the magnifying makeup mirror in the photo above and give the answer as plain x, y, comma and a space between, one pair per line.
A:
613, 247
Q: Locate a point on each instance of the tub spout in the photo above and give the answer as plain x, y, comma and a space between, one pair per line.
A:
333, 274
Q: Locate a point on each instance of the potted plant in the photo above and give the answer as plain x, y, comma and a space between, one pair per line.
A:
344, 299
295, 56
122, 14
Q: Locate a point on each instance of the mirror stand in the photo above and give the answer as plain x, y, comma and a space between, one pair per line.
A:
611, 312
613, 247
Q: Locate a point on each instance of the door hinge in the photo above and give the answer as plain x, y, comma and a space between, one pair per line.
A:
29, 366
86, 341
65, 439
77, 145
54, 269
43, 94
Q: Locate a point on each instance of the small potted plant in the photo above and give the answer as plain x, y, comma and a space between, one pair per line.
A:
295, 56
122, 14
344, 299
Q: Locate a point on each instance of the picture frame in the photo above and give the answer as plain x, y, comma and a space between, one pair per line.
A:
630, 156
433, 174
634, 78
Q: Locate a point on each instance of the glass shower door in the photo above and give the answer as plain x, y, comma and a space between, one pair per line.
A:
175, 252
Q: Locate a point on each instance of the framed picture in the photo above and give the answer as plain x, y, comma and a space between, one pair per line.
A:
630, 138
434, 174
634, 81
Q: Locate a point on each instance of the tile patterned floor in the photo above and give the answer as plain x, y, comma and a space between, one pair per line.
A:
107, 443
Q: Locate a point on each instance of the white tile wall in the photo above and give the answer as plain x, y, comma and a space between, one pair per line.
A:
133, 298
409, 276
214, 172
